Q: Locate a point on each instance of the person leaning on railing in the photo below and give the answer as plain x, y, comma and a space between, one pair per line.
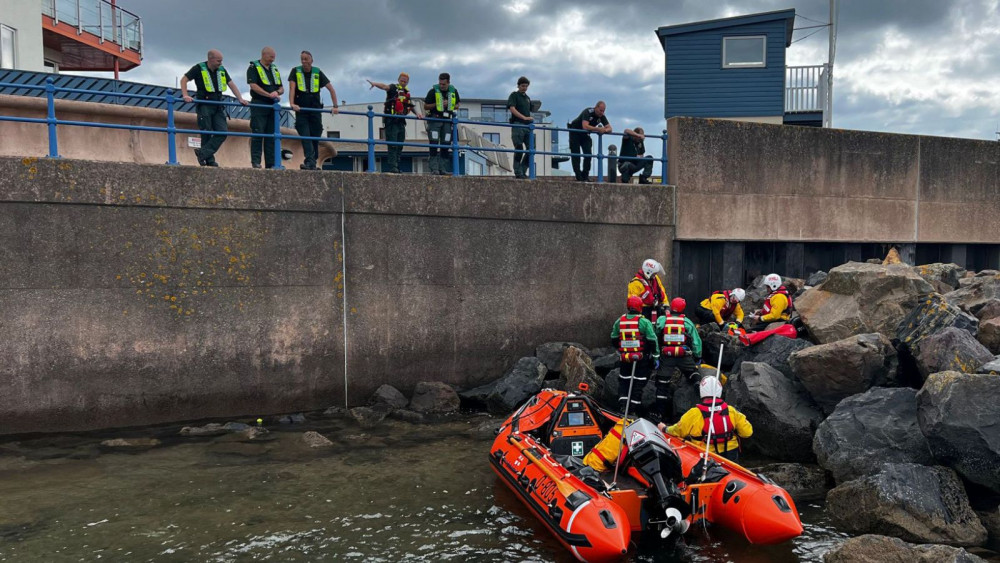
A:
441, 102
590, 119
519, 105
265, 89
633, 157
397, 102
304, 85
211, 80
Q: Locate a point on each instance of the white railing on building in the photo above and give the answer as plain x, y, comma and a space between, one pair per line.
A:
805, 88
100, 18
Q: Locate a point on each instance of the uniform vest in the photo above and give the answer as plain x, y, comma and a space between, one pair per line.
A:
220, 76
630, 343
722, 424
651, 295
439, 102
675, 338
401, 104
300, 80
729, 307
263, 75
788, 310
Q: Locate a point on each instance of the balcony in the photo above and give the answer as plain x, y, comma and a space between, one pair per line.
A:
806, 94
92, 35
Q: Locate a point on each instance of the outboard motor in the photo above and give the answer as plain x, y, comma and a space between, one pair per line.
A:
653, 457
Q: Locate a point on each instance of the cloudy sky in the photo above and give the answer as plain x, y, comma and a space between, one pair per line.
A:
906, 66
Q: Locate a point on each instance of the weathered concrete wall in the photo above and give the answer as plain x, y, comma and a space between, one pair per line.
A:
749, 181
133, 294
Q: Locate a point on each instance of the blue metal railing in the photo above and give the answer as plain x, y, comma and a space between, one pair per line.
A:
168, 100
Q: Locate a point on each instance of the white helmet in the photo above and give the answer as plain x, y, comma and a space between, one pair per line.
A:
772, 281
737, 295
710, 387
650, 267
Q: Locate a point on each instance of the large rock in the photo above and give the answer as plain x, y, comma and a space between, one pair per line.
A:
370, 417
988, 310
476, 398
975, 292
860, 298
951, 349
832, 372
316, 440
551, 353
434, 396
388, 396
932, 315
992, 367
948, 274
991, 521
575, 368
870, 548
909, 501
517, 385
805, 483
960, 415
773, 351
783, 418
712, 339
870, 429
604, 364
989, 335
816, 278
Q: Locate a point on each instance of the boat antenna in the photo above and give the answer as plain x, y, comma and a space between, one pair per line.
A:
621, 443
711, 413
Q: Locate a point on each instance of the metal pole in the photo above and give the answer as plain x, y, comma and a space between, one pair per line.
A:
663, 163
531, 150
371, 140
79, 19
277, 136
828, 114
50, 118
454, 144
171, 130
600, 157
100, 20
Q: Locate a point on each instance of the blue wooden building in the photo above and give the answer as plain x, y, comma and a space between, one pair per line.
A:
734, 68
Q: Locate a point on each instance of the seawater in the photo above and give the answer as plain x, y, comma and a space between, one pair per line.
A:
399, 492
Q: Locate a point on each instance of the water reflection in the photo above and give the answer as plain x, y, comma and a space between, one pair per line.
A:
401, 492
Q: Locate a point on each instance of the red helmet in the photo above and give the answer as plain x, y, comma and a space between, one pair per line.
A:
677, 304
634, 303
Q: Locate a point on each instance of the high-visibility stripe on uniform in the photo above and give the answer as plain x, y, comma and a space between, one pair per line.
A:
439, 99
300, 80
263, 75
675, 337
220, 76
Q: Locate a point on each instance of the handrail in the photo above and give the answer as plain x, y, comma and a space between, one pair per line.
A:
170, 100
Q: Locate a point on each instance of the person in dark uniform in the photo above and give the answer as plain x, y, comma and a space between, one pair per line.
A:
590, 120
519, 105
441, 102
397, 102
633, 157
211, 80
265, 89
304, 85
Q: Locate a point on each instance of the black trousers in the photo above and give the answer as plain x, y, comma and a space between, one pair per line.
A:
643, 369
630, 167
262, 121
581, 143
704, 315
309, 124
211, 118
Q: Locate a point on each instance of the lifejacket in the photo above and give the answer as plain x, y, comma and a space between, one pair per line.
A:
220, 76
651, 295
630, 345
722, 425
788, 310
675, 338
263, 75
729, 307
439, 99
401, 104
602, 456
300, 80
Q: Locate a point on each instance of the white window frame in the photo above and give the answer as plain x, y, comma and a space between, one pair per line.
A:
761, 64
13, 47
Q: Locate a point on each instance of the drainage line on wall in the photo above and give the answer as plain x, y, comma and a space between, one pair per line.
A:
343, 277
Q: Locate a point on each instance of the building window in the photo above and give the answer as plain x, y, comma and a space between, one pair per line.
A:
333, 134
495, 113
7, 47
463, 113
744, 52
492, 137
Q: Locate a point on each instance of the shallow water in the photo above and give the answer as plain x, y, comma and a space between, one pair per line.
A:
401, 492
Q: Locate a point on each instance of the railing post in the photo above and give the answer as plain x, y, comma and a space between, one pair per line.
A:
371, 140
100, 19
600, 157
531, 150
454, 144
171, 130
277, 136
79, 19
663, 163
50, 118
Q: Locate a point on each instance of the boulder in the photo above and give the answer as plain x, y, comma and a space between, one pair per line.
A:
992, 367
913, 502
947, 274
930, 316
551, 353
476, 398
297, 418
859, 298
337, 412
255, 433
316, 440
960, 416
606, 363
951, 349
806, 483
576, 368
712, 338
434, 396
976, 292
131, 443
991, 521
370, 417
870, 548
987, 310
609, 398
773, 351
867, 430
989, 334
523, 381
832, 372
388, 396
783, 417
405, 415
816, 278
600, 352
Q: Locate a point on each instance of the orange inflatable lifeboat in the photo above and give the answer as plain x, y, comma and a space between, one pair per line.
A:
659, 486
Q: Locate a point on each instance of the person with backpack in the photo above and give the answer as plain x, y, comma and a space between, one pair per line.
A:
714, 416
639, 352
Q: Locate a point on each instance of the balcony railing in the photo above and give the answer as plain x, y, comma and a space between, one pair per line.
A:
100, 18
805, 88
